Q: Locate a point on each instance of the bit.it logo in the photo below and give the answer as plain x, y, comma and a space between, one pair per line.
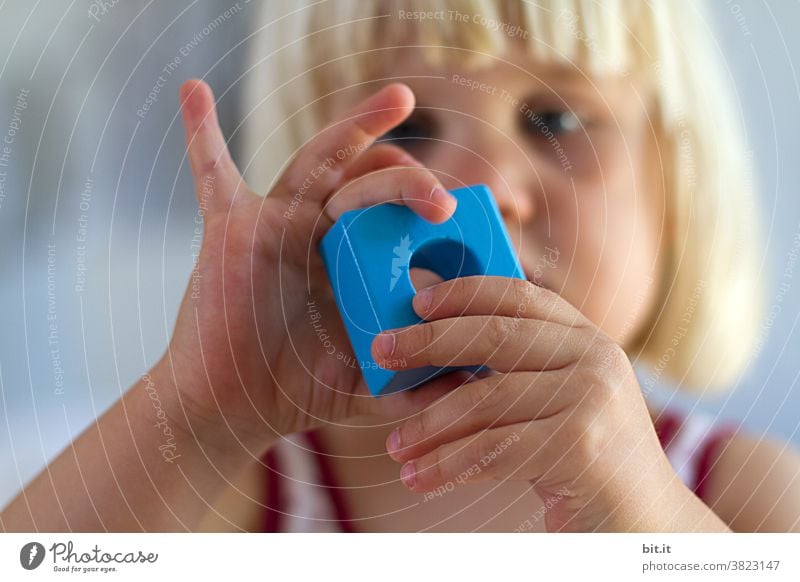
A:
402, 254
31, 555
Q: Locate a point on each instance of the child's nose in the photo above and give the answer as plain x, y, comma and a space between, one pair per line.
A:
508, 175
515, 203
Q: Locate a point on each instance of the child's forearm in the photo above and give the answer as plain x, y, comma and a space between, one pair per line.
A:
135, 469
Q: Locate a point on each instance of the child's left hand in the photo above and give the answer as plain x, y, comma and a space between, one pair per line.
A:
563, 410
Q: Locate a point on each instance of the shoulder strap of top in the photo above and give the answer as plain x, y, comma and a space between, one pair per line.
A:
329, 482
302, 495
274, 504
692, 443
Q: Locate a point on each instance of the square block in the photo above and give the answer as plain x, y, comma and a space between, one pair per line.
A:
368, 253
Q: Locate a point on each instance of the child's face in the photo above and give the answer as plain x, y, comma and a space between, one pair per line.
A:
572, 162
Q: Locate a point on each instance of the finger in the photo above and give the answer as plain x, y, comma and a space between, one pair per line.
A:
503, 296
383, 156
421, 278
504, 344
495, 401
499, 453
414, 187
319, 166
216, 177
402, 405
379, 156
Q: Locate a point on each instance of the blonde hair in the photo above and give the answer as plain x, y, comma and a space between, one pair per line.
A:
706, 325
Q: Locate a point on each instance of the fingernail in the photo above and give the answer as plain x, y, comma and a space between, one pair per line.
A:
393, 442
408, 475
424, 299
384, 345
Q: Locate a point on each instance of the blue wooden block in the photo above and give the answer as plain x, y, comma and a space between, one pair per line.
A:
368, 252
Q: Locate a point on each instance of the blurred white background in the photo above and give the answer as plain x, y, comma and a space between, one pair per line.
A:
83, 164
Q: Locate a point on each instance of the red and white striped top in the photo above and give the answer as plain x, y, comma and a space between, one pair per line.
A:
303, 496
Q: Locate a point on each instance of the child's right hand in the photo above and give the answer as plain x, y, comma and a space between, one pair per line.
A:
245, 353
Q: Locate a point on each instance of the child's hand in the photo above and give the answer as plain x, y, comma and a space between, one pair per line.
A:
563, 410
245, 353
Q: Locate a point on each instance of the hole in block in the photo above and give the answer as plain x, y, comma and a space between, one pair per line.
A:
439, 260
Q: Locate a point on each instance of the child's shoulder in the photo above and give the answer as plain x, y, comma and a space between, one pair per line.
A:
752, 482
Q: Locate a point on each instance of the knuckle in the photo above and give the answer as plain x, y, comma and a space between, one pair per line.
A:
483, 394
585, 442
497, 330
416, 183
459, 287
615, 356
435, 471
390, 156
605, 359
425, 178
489, 453
414, 429
602, 395
455, 293
418, 340
524, 294
207, 167
310, 167
292, 179
477, 285
482, 447
429, 334
590, 445
597, 391
358, 133
382, 148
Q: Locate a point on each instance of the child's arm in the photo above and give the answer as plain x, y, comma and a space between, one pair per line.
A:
245, 363
754, 485
135, 469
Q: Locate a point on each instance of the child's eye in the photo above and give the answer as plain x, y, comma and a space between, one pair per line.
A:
414, 131
546, 122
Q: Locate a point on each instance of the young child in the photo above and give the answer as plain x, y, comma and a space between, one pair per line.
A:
607, 136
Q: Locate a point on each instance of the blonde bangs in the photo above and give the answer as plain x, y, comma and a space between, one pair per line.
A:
595, 37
